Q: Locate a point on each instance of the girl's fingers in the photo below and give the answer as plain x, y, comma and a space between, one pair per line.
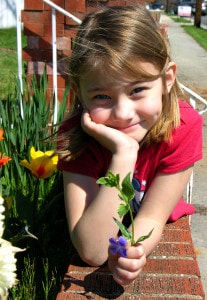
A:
126, 270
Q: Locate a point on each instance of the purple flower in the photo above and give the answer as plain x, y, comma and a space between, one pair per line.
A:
118, 247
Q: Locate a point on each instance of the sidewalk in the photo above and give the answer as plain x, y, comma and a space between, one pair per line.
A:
192, 72
190, 57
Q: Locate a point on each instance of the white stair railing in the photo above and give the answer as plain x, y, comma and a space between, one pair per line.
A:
19, 53
194, 98
54, 51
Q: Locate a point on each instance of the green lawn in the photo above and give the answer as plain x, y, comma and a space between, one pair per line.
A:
199, 34
8, 61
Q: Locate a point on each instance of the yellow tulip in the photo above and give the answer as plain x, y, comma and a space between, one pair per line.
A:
42, 164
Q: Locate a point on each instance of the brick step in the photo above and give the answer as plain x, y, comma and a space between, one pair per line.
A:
171, 272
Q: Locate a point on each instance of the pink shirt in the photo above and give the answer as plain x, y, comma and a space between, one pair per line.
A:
183, 151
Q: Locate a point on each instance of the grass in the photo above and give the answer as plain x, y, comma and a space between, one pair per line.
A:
8, 61
198, 34
179, 19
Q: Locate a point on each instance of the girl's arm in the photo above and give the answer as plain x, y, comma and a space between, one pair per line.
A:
90, 210
156, 207
159, 201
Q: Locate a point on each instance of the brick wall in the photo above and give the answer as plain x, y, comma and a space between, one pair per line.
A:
171, 272
37, 21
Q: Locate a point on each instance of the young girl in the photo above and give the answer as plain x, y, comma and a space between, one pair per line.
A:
125, 117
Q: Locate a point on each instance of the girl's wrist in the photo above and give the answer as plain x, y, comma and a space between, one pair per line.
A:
125, 160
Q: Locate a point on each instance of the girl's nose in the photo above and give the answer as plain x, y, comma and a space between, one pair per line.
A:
123, 109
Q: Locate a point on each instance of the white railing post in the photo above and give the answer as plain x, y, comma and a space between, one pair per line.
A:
195, 97
54, 56
64, 12
54, 52
19, 53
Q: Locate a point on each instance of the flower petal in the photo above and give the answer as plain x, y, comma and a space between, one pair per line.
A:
42, 164
112, 241
122, 252
122, 241
1, 134
118, 246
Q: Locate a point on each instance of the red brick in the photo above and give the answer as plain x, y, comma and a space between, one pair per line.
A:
179, 250
176, 236
60, 95
31, 54
71, 33
75, 6
33, 42
36, 17
101, 286
63, 43
182, 223
61, 80
64, 54
37, 55
45, 42
171, 272
172, 266
60, 3
162, 284
69, 21
33, 29
33, 4
48, 30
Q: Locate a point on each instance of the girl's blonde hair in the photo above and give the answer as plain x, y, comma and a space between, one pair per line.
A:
112, 38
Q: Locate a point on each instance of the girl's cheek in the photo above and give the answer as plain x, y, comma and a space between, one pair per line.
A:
98, 115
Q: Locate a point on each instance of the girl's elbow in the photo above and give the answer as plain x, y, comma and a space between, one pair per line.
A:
93, 255
93, 259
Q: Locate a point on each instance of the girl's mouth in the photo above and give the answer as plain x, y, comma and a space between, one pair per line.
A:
129, 127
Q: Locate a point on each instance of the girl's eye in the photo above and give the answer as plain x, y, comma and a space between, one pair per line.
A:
101, 97
137, 90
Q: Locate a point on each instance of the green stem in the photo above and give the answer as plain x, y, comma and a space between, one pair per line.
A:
35, 202
132, 223
131, 217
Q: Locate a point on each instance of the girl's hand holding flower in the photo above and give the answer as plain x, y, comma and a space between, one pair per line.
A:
126, 269
127, 256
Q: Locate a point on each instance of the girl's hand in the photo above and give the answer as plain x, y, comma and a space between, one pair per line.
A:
112, 139
126, 270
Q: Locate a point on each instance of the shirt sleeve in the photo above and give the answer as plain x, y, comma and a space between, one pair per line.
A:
93, 162
186, 145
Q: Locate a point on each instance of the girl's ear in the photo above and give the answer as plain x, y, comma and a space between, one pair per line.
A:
170, 75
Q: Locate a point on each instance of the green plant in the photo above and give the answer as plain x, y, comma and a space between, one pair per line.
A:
46, 241
27, 288
126, 194
198, 34
179, 19
8, 61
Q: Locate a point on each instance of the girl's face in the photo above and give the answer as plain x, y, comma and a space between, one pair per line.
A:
122, 102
